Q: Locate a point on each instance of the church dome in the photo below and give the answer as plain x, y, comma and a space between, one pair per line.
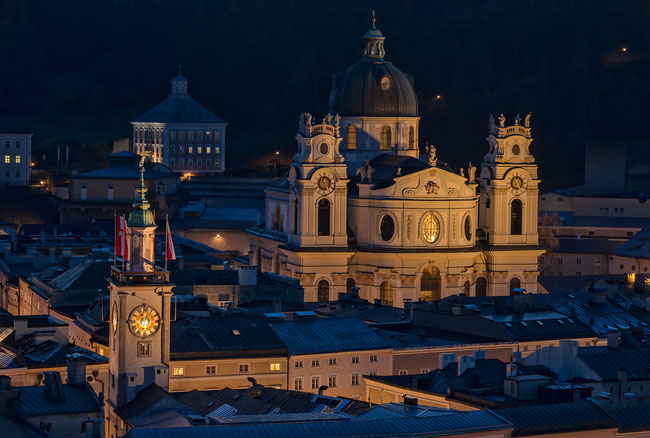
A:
373, 86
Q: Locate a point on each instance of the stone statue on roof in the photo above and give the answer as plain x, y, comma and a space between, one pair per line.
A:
433, 159
517, 120
502, 120
328, 119
527, 120
491, 121
365, 171
307, 119
471, 172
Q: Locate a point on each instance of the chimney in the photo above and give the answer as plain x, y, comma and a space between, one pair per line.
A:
613, 338
598, 292
511, 369
445, 359
76, 370
465, 363
410, 402
53, 387
518, 300
277, 306
621, 376
612, 289
43, 336
247, 275
322, 389
568, 360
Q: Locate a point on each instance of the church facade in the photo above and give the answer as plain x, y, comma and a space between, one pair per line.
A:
361, 208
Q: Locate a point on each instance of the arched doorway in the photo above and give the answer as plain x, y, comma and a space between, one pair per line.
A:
515, 283
481, 287
516, 213
430, 284
323, 291
386, 293
324, 217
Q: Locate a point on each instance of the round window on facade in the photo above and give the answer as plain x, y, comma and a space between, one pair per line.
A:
516, 149
430, 228
387, 227
467, 226
324, 147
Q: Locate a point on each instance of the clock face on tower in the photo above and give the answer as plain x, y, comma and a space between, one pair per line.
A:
517, 184
324, 183
144, 321
114, 317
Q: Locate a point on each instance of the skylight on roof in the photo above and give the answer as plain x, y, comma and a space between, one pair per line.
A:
508, 324
539, 322
524, 323
573, 297
560, 321
236, 332
570, 320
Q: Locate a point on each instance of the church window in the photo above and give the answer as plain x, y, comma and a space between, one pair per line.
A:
323, 148
515, 283
323, 291
411, 138
387, 227
430, 228
144, 349
516, 213
351, 137
385, 141
430, 284
208, 162
277, 219
481, 287
199, 149
349, 284
323, 217
386, 293
467, 226
178, 371
384, 83
466, 288
207, 149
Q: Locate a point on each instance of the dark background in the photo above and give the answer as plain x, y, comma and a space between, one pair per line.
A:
77, 72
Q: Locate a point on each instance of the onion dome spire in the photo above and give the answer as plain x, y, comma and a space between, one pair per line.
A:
141, 216
374, 41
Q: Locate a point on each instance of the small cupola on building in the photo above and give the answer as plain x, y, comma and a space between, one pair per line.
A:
374, 43
179, 83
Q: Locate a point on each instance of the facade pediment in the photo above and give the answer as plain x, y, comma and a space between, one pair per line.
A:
432, 183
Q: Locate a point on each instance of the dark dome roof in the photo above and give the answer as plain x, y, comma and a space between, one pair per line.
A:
362, 91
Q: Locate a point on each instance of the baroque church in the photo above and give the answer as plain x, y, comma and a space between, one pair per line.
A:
361, 207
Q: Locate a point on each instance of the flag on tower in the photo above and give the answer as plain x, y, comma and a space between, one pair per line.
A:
121, 243
171, 254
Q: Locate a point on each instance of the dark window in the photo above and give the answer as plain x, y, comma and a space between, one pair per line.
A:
516, 210
514, 284
468, 228
387, 227
466, 288
481, 287
430, 284
323, 217
323, 291
411, 137
386, 294
349, 284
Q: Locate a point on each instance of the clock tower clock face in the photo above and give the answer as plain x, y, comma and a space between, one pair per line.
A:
144, 321
114, 318
324, 183
517, 185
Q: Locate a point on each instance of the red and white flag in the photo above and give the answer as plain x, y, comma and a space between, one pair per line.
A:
171, 254
121, 242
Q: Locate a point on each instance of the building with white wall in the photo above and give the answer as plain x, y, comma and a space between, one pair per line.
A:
16, 154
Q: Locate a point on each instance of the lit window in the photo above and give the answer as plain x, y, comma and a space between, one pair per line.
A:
17, 159
7, 159
297, 384
207, 149
211, 370
315, 382
275, 366
189, 149
144, 349
332, 381
216, 149
332, 361
355, 359
430, 228
243, 368
178, 371
199, 149
355, 380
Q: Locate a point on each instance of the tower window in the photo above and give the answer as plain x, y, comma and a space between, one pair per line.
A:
411, 138
323, 291
516, 210
430, 284
515, 283
386, 293
324, 148
323, 217
351, 140
385, 141
144, 349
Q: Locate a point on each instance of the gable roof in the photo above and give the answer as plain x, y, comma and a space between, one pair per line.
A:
179, 108
78, 399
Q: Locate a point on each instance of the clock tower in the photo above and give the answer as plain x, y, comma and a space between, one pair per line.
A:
140, 298
509, 185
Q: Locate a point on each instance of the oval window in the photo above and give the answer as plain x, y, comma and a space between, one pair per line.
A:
324, 148
387, 227
385, 83
516, 149
430, 228
468, 228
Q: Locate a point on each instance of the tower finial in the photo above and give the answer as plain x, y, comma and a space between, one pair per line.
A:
374, 20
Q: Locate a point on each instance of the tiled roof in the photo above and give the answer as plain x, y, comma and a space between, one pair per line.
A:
606, 362
361, 309
50, 353
404, 336
77, 399
633, 416
179, 108
564, 417
223, 336
326, 335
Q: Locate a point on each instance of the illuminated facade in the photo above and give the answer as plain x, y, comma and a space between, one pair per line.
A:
15, 154
181, 134
398, 227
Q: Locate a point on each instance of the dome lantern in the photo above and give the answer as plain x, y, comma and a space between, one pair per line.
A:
374, 41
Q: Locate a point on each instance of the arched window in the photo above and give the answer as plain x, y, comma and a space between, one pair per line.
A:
385, 141
516, 213
386, 293
466, 288
430, 284
481, 287
351, 139
323, 217
411, 138
349, 284
323, 291
514, 284
467, 227
277, 219
295, 216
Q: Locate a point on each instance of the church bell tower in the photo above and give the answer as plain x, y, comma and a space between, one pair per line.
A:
509, 185
140, 298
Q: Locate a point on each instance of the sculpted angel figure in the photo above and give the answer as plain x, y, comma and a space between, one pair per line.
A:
307, 119
517, 120
502, 120
471, 171
431, 150
527, 120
